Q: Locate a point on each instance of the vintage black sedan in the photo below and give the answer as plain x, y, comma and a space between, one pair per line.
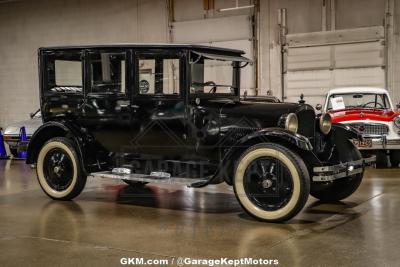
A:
173, 114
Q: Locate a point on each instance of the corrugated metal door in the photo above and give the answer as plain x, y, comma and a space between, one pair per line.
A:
230, 32
314, 70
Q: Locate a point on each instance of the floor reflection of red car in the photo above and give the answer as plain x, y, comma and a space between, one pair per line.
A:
370, 111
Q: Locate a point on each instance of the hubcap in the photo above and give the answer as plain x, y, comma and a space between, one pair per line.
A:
268, 183
58, 169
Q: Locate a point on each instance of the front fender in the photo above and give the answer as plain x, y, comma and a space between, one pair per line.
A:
275, 135
343, 131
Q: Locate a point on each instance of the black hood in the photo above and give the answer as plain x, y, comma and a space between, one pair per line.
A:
259, 114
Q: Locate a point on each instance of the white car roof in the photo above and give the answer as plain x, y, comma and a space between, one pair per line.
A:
356, 89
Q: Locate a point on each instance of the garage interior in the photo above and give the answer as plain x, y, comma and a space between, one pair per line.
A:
298, 47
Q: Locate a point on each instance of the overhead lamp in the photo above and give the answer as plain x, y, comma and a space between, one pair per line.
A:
237, 7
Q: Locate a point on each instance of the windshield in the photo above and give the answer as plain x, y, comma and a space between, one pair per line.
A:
212, 76
356, 100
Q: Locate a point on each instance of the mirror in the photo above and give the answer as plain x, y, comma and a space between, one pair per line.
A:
197, 101
398, 106
318, 107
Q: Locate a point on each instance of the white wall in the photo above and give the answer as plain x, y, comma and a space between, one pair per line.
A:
27, 25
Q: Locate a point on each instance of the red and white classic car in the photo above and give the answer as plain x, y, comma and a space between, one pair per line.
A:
370, 111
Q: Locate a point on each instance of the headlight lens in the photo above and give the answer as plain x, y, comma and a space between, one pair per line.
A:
396, 121
292, 123
325, 123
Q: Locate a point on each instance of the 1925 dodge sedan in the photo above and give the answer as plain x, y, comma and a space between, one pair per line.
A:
173, 114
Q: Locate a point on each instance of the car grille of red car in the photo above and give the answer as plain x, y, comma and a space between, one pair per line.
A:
371, 128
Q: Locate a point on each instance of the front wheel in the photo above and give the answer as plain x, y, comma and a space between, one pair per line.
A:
271, 182
59, 170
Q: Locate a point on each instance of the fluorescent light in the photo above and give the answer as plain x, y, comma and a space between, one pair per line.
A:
235, 8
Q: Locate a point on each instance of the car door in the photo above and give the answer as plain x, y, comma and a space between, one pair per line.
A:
106, 110
158, 106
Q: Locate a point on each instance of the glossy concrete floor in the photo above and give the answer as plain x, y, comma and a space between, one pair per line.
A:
110, 220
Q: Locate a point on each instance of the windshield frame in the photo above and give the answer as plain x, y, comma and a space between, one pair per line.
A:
386, 100
235, 76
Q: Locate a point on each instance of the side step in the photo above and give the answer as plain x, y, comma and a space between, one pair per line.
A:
152, 178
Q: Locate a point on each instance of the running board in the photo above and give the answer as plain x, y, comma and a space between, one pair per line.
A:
148, 178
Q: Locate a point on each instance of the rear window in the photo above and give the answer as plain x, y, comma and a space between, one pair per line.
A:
63, 73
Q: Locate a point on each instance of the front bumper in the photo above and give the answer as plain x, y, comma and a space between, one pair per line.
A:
334, 172
375, 143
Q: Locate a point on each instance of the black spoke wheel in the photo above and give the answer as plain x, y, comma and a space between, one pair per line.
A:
59, 169
268, 183
271, 182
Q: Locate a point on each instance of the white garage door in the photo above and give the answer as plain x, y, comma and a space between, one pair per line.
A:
313, 70
230, 32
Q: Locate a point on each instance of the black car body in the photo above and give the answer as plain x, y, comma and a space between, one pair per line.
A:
173, 113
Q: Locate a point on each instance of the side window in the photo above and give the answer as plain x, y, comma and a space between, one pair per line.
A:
159, 74
63, 73
107, 72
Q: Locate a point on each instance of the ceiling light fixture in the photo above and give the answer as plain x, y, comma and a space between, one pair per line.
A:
237, 7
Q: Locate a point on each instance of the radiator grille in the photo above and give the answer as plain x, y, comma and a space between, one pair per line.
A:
306, 123
371, 129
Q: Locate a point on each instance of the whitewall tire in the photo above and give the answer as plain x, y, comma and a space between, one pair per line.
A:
271, 182
59, 169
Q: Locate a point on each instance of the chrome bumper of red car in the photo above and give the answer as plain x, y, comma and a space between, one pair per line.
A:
331, 173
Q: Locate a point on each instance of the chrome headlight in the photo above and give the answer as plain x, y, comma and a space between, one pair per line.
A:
325, 123
291, 122
396, 121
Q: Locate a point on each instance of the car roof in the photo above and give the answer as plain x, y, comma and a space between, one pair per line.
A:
357, 89
149, 45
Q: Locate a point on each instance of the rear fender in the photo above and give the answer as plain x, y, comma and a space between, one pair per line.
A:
85, 143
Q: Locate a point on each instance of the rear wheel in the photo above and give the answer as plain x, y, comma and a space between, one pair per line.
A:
59, 169
271, 182
341, 188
